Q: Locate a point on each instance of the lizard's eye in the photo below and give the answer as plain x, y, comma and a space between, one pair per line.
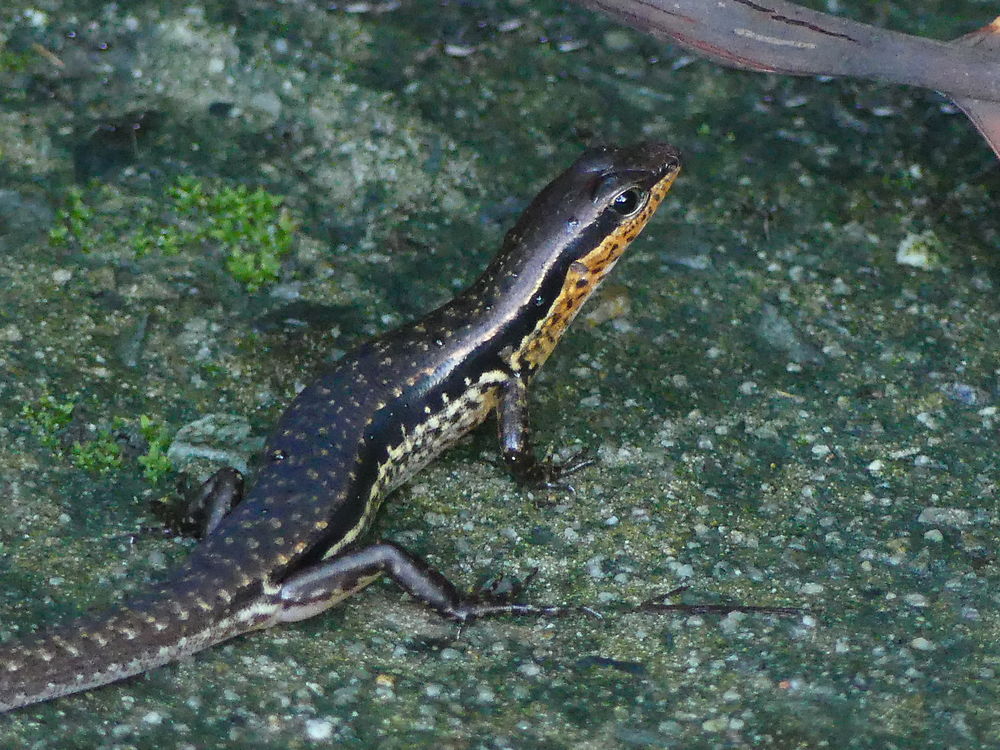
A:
629, 201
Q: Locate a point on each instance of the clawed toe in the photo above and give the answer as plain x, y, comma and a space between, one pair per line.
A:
579, 460
504, 589
548, 474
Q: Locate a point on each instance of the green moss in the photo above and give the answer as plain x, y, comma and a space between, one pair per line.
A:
15, 62
164, 240
48, 416
101, 455
74, 223
252, 228
154, 461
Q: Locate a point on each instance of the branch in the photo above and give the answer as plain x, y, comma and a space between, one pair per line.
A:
985, 114
773, 36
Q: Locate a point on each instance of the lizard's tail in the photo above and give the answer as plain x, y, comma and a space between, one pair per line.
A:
157, 628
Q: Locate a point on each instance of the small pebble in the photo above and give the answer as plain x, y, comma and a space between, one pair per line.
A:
318, 730
718, 724
918, 251
530, 669
955, 517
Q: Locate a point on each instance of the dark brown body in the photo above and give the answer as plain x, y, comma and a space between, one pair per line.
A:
290, 549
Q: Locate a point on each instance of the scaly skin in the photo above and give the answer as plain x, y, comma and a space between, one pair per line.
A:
290, 549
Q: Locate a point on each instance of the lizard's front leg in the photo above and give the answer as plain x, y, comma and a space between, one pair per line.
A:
515, 441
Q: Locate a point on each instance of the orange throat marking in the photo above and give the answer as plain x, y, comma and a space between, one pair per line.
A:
583, 278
